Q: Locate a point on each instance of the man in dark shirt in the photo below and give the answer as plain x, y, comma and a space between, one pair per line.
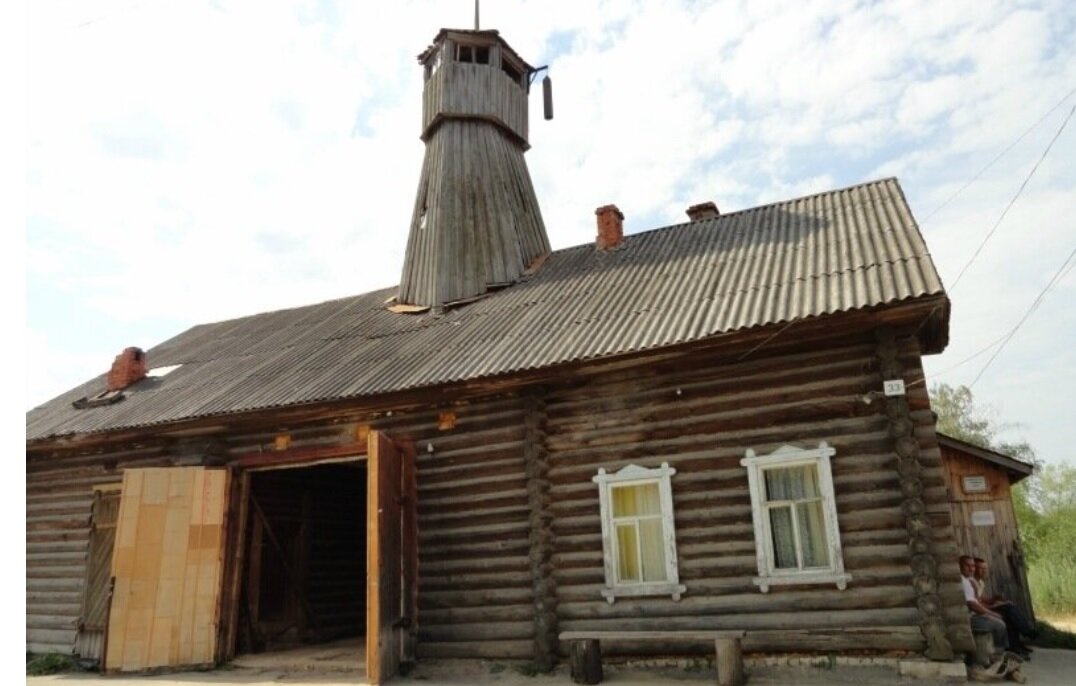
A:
1016, 622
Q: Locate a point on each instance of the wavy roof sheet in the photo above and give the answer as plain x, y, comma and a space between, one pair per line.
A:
833, 252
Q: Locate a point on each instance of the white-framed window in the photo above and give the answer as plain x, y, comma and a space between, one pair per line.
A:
638, 534
797, 540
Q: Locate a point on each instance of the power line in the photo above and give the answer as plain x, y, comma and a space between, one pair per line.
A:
1019, 191
1034, 306
998, 157
967, 359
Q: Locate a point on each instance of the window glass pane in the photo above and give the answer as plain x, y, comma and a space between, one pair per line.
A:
652, 549
627, 548
784, 542
633, 501
812, 528
792, 483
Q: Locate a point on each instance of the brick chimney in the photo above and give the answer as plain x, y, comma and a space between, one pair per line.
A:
610, 227
128, 367
704, 210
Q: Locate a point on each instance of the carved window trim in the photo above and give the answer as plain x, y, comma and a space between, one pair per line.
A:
633, 475
792, 456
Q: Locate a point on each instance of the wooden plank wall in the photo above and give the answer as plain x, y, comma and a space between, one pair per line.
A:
317, 515
93, 618
474, 89
999, 544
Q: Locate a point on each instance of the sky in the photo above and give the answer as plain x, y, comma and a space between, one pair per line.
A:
191, 161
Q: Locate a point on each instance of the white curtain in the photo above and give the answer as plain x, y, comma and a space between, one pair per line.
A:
799, 485
640, 535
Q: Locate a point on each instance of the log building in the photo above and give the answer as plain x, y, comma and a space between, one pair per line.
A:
716, 424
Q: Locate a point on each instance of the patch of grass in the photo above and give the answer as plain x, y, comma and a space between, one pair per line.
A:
496, 668
1053, 588
1052, 637
48, 663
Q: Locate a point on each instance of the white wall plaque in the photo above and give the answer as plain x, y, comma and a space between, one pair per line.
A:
982, 518
975, 484
893, 387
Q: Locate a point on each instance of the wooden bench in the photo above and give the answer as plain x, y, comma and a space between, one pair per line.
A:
586, 657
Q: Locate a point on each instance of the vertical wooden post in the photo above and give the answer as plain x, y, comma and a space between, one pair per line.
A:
383, 558
585, 656
541, 537
729, 662
924, 565
409, 538
254, 575
237, 543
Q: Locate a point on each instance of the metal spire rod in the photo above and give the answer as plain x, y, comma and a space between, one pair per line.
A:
475, 15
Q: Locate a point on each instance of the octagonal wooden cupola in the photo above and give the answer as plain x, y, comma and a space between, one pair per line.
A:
476, 224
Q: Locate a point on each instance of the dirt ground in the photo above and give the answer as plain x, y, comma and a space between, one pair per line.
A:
1047, 668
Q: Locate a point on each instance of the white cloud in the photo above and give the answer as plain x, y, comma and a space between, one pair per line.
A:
192, 161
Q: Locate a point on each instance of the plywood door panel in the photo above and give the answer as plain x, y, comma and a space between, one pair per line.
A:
383, 559
167, 568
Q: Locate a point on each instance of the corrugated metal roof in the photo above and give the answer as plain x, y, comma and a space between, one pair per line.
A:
833, 252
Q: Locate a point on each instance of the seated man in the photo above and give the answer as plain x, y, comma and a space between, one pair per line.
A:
1016, 621
983, 619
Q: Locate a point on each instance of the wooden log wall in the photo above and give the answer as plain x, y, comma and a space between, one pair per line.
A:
484, 590
924, 562
701, 419
460, 89
316, 515
476, 590
59, 500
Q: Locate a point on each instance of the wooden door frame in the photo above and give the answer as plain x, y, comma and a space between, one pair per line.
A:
406, 525
242, 469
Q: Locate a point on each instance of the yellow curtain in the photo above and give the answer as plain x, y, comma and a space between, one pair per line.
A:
640, 535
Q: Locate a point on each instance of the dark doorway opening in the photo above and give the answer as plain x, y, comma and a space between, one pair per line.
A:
304, 580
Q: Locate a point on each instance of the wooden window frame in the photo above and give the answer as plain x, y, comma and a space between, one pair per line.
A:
791, 456
633, 475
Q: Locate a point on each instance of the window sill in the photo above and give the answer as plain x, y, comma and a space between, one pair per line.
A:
764, 582
674, 590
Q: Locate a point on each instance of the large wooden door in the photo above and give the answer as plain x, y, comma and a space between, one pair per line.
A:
391, 558
167, 569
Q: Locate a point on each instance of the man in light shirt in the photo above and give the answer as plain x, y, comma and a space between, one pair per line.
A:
983, 619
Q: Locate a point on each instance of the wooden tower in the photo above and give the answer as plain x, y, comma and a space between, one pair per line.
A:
476, 223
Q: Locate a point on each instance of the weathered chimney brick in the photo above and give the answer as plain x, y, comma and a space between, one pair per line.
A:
128, 367
610, 227
704, 210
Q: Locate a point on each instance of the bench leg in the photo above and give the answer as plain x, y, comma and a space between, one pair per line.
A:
984, 649
729, 662
586, 661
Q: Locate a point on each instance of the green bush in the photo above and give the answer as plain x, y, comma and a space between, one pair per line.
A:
1053, 588
48, 663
